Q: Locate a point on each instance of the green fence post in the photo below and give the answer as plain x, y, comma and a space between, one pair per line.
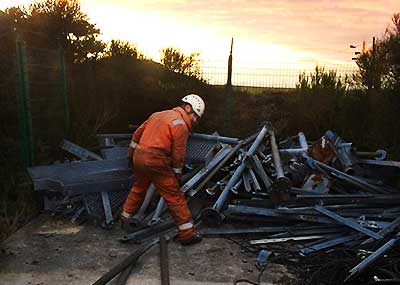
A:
24, 106
64, 90
228, 95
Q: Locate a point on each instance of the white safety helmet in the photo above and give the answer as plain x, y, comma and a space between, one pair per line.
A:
196, 102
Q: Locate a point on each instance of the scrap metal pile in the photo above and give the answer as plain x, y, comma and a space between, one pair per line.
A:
317, 196
94, 185
308, 197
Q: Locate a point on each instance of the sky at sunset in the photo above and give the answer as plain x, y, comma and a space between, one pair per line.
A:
275, 32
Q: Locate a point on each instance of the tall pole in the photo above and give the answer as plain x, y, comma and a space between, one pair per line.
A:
228, 96
64, 90
229, 81
373, 63
24, 117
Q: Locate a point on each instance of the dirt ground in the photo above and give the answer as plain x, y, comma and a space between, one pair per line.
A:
51, 251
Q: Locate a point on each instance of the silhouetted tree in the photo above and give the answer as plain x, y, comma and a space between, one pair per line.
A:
392, 43
379, 67
59, 23
174, 60
124, 49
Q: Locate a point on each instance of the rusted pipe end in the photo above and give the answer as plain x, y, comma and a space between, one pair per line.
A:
212, 217
280, 190
136, 222
281, 184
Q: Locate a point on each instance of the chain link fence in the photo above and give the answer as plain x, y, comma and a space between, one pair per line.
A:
33, 93
267, 75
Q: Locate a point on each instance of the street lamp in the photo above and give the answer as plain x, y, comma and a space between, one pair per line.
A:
356, 53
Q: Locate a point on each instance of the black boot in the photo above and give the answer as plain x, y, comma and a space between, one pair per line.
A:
196, 238
128, 226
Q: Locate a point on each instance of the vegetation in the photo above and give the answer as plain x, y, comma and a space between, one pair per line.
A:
362, 109
379, 66
118, 48
178, 62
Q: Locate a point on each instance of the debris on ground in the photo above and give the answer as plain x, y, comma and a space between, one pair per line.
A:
325, 209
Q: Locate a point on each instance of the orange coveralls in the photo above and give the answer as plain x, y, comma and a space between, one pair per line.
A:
158, 147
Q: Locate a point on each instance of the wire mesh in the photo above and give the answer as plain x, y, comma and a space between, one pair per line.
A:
268, 77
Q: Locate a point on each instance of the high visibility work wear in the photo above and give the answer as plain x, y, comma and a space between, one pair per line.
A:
163, 139
158, 147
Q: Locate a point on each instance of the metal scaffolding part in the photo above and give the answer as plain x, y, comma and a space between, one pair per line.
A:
156, 219
259, 169
281, 184
345, 177
217, 139
276, 240
79, 151
348, 222
213, 214
329, 243
188, 186
303, 141
137, 219
164, 263
363, 265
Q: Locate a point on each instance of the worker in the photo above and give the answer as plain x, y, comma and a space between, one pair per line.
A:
158, 149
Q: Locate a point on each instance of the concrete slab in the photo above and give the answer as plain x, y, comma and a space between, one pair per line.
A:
51, 250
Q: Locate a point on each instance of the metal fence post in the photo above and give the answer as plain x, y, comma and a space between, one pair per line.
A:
228, 95
24, 108
64, 89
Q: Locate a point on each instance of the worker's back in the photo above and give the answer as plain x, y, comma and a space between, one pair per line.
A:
161, 133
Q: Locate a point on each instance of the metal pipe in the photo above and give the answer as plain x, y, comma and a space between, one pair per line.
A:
220, 165
138, 217
211, 190
348, 222
345, 159
221, 139
213, 214
258, 168
206, 169
164, 266
275, 155
344, 176
246, 181
213, 138
281, 184
327, 244
285, 239
254, 180
380, 154
125, 263
149, 232
372, 258
161, 206
157, 213
124, 275
235, 188
235, 177
303, 141
79, 151
385, 231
